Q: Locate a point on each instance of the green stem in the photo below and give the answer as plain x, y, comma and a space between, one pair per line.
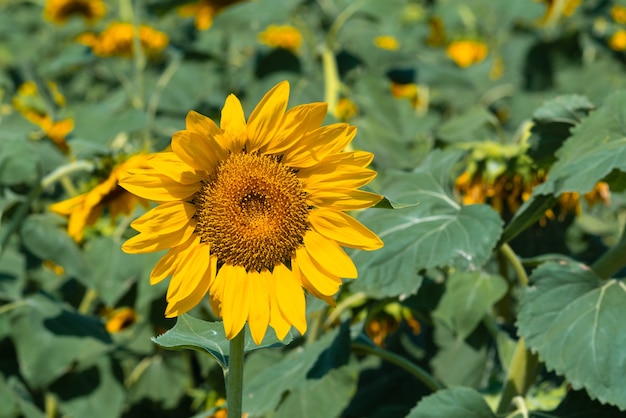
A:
355, 299
524, 364
414, 369
613, 260
234, 376
522, 372
512, 258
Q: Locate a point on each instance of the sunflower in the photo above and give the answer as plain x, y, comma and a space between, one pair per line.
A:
253, 213
117, 40
59, 11
281, 36
467, 52
204, 11
85, 209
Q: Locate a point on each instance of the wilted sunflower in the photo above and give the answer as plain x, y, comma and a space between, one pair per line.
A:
253, 212
85, 209
59, 11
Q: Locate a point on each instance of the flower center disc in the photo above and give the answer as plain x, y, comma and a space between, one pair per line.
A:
252, 211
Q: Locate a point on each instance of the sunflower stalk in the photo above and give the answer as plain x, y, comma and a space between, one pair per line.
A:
233, 376
613, 260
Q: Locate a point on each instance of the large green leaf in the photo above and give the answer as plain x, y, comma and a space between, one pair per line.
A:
266, 384
49, 338
209, 337
42, 236
18, 161
468, 297
323, 397
149, 384
453, 403
575, 322
437, 232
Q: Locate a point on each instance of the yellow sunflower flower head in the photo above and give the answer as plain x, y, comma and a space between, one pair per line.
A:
85, 209
117, 40
618, 13
617, 42
281, 36
467, 52
60, 11
346, 109
253, 212
204, 11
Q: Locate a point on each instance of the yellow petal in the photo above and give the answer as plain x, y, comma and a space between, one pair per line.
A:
298, 121
66, 207
277, 319
149, 184
323, 282
165, 218
192, 267
346, 161
266, 117
259, 315
340, 179
233, 123
344, 229
180, 306
236, 300
169, 164
290, 296
201, 124
197, 150
316, 145
146, 242
167, 265
343, 199
327, 254
329, 299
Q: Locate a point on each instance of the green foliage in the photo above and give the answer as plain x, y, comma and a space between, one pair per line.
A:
494, 166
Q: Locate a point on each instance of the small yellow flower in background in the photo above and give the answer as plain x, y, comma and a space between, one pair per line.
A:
119, 319
254, 212
52, 266
60, 11
117, 40
346, 109
85, 209
418, 97
387, 42
467, 52
618, 13
204, 11
617, 42
281, 36
29, 103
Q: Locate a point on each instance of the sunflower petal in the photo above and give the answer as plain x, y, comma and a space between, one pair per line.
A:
340, 179
343, 199
201, 124
165, 218
324, 283
266, 117
167, 265
316, 145
327, 254
290, 296
259, 315
193, 266
298, 121
277, 319
197, 151
151, 185
236, 300
233, 123
169, 164
329, 299
147, 242
344, 229
183, 305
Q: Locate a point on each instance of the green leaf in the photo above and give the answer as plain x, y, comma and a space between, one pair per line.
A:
17, 164
468, 297
265, 385
43, 237
12, 273
323, 397
575, 322
149, 385
452, 403
85, 391
436, 233
195, 334
473, 125
552, 124
527, 214
49, 338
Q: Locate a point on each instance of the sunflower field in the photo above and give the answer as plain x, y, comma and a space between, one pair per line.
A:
312, 208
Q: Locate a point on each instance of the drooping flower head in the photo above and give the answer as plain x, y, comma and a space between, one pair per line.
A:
467, 52
117, 40
85, 209
59, 11
254, 212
